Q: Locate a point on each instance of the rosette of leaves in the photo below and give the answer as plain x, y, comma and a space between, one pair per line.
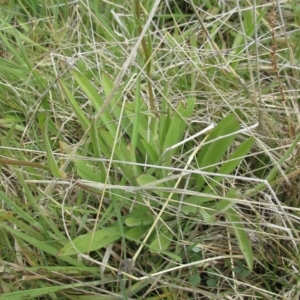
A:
140, 146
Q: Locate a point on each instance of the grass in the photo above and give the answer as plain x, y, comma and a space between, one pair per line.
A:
149, 150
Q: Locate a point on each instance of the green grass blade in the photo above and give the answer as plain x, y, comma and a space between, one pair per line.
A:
83, 120
41, 245
96, 100
34, 293
55, 170
137, 113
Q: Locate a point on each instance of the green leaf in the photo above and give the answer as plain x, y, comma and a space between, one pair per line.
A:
108, 84
120, 148
96, 100
208, 218
211, 153
241, 235
193, 203
55, 170
91, 242
149, 150
89, 89
83, 120
131, 170
137, 218
211, 282
231, 163
38, 292
194, 279
161, 241
224, 204
135, 233
163, 118
137, 114
84, 169
178, 124
142, 125
146, 179
239, 41
244, 273
43, 246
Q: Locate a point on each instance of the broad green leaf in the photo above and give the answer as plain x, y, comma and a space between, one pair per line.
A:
161, 243
146, 179
116, 104
194, 279
174, 132
231, 163
101, 239
221, 206
91, 242
98, 150
137, 218
192, 204
211, 153
190, 106
135, 233
86, 172
95, 139
178, 124
153, 128
242, 237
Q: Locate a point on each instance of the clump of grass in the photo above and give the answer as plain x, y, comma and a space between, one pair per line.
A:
149, 150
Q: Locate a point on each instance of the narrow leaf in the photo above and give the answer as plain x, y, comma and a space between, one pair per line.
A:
242, 237
137, 113
56, 172
83, 120
96, 100
84, 170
